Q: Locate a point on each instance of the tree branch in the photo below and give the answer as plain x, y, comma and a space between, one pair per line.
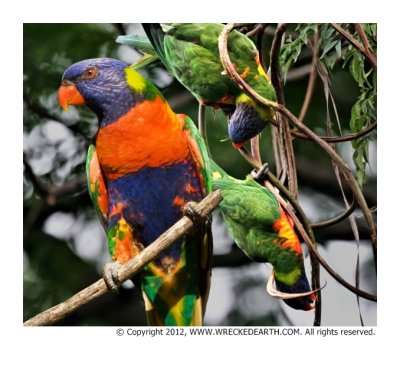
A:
129, 269
367, 45
356, 44
283, 128
256, 29
311, 80
343, 138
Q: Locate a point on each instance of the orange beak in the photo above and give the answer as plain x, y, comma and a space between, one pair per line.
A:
68, 94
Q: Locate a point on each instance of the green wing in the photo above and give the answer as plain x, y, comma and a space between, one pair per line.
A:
96, 185
257, 224
199, 153
203, 238
190, 52
197, 44
247, 203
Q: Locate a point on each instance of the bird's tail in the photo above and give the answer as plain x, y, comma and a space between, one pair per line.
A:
156, 35
176, 295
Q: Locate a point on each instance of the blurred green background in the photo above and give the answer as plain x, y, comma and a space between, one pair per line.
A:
64, 244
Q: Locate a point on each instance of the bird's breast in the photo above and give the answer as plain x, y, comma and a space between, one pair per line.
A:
149, 135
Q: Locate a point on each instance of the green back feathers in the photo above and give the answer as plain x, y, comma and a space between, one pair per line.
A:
250, 212
205, 166
190, 52
245, 201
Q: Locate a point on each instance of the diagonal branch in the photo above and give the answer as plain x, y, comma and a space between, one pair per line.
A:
311, 80
284, 129
356, 44
129, 269
367, 46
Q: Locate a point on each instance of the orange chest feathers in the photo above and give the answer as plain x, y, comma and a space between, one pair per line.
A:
150, 134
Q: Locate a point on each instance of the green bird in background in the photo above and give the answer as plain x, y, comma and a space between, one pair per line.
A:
190, 52
265, 233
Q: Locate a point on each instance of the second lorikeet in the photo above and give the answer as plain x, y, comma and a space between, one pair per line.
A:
146, 162
262, 229
190, 53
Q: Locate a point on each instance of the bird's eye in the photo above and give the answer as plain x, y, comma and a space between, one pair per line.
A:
90, 73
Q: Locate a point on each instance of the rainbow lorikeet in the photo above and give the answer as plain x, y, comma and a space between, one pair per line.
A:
262, 229
146, 162
190, 53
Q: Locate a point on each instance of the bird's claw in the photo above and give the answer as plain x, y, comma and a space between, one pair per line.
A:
262, 173
110, 276
192, 211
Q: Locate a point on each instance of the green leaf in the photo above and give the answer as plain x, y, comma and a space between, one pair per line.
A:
328, 47
141, 43
293, 46
357, 69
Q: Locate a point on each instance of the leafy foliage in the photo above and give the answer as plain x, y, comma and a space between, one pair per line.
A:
332, 50
363, 113
294, 44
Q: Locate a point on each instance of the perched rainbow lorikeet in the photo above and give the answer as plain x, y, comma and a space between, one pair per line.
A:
190, 53
262, 229
144, 165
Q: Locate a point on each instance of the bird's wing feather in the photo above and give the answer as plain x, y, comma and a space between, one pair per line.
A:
96, 185
199, 154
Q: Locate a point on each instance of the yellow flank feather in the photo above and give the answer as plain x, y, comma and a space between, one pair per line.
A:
135, 80
262, 72
216, 175
244, 98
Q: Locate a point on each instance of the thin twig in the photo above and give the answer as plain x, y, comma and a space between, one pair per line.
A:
355, 43
260, 39
343, 138
364, 39
311, 80
336, 219
129, 269
284, 126
256, 29
255, 148
344, 168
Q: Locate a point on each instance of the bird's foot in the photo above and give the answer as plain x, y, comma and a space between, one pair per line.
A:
110, 276
191, 210
262, 174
